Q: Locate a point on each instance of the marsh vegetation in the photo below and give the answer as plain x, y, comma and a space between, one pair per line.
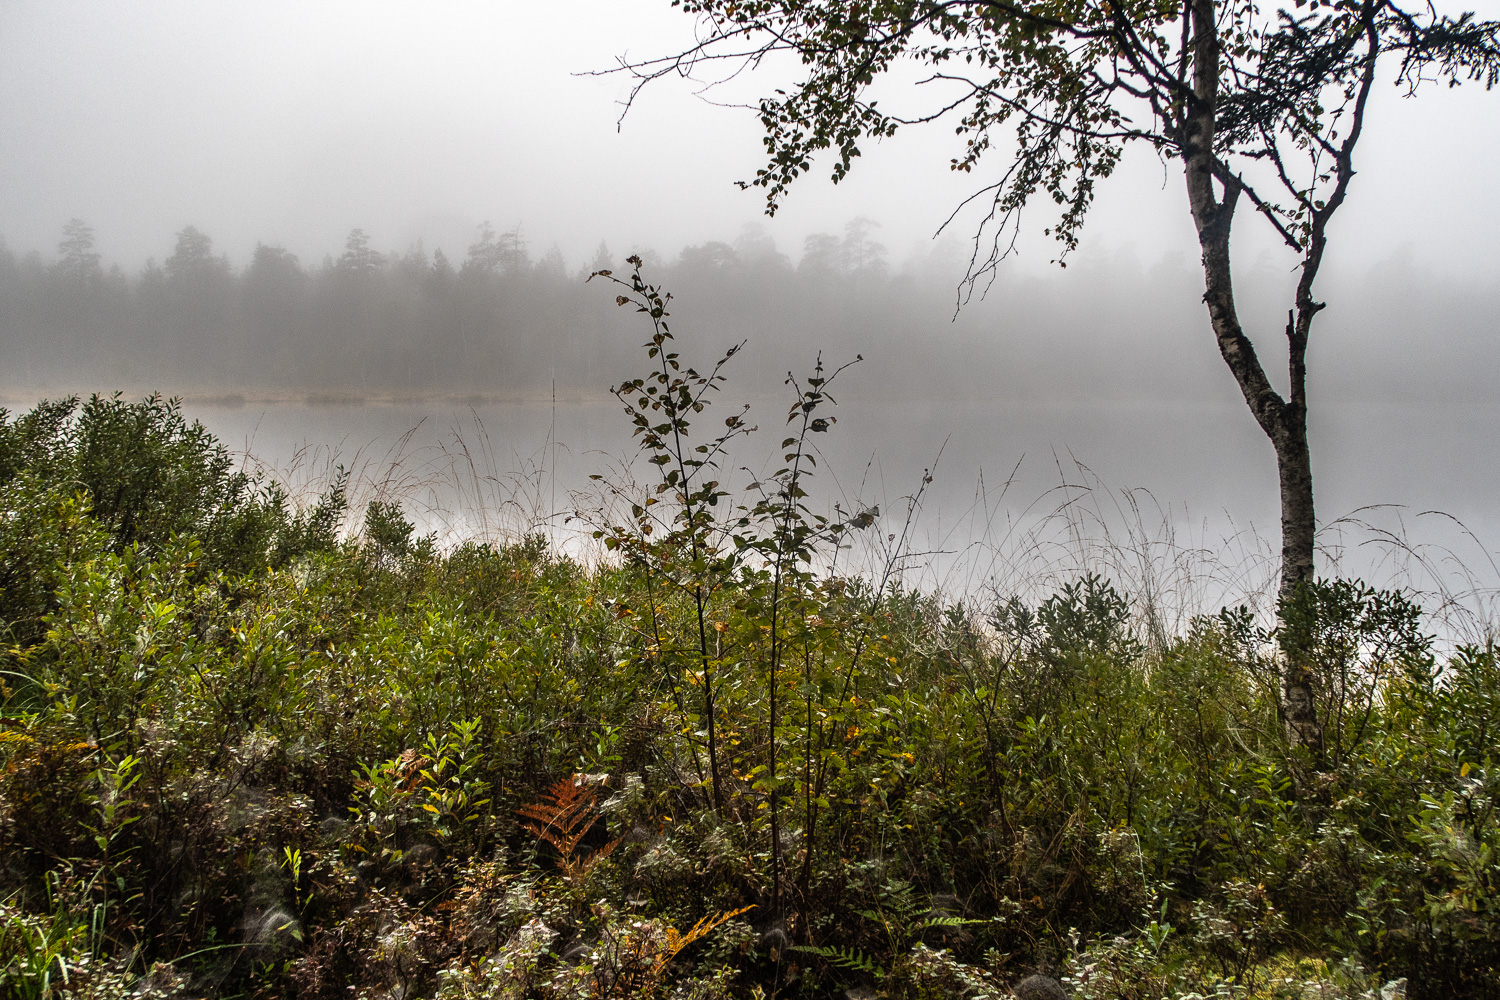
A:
256, 747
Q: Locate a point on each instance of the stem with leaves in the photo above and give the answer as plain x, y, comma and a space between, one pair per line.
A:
660, 404
793, 541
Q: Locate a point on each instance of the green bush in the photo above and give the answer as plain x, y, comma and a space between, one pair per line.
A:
146, 475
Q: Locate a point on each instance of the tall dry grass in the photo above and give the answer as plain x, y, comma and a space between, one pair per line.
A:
468, 486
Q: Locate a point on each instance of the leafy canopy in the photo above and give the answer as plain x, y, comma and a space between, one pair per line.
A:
1271, 97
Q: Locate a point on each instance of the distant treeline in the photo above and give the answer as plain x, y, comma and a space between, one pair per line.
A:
498, 320
505, 321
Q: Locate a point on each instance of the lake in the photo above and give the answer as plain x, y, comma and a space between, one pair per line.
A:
1177, 499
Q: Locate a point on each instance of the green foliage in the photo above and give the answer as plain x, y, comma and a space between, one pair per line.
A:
1352, 640
386, 531
146, 474
43, 956
45, 530
332, 766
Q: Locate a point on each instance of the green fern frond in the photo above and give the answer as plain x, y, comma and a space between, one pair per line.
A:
945, 922
845, 958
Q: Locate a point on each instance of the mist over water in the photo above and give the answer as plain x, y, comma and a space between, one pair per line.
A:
296, 335
1189, 476
1060, 414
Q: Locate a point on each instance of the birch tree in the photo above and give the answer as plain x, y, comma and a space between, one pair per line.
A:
1260, 107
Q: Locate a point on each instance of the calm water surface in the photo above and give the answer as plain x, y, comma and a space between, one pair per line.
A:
1012, 483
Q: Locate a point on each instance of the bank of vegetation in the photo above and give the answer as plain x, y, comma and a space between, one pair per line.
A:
257, 748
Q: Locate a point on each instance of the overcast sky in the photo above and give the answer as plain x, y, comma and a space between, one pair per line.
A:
293, 122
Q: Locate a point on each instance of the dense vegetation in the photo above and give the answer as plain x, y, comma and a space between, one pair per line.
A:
247, 751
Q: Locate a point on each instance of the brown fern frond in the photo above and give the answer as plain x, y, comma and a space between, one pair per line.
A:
563, 816
586, 863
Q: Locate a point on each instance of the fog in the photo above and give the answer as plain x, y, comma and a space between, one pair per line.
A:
291, 124
326, 225
497, 320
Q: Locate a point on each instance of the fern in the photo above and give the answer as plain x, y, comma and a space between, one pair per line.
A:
676, 942
562, 818
901, 915
900, 897
845, 958
932, 922
640, 956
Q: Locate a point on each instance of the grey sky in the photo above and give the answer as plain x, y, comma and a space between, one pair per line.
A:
293, 123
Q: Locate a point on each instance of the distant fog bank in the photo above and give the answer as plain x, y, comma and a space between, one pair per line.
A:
503, 323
